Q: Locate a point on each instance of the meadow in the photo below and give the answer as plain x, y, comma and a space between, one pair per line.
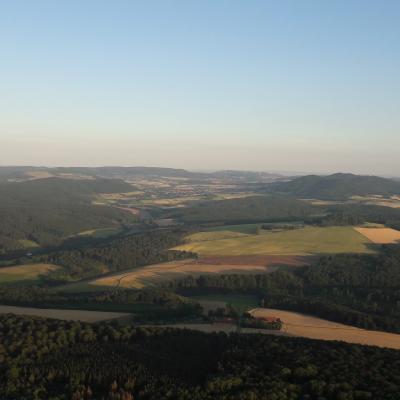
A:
240, 302
27, 272
99, 233
302, 241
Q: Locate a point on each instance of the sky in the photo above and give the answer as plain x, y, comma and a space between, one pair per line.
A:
310, 86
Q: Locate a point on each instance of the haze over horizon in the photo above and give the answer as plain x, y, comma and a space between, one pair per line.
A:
264, 86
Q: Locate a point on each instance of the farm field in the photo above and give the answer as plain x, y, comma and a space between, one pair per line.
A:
27, 272
296, 324
75, 315
240, 302
153, 275
303, 241
380, 235
392, 201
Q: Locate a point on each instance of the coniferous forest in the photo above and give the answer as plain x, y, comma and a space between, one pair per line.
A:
51, 359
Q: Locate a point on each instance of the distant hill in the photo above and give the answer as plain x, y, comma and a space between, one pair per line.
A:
24, 173
130, 171
46, 211
249, 209
58, 190
245, 175
337, 186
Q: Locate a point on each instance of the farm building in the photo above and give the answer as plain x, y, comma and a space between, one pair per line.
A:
268, 319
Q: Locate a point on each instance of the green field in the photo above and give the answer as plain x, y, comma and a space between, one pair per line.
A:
28, 244
27, 272
304, 241
240, 302
100, 233
224, 232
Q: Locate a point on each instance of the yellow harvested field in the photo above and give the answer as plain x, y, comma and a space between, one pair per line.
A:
380, 235
68, 315
296, 324
25, 272
152, 275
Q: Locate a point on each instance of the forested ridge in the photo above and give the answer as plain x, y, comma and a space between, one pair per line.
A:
249, 209
368, 213
337, 186
47, 211
50, 359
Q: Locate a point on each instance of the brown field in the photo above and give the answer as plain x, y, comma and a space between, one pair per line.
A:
380, 235
153, 275
296, 324
75, 315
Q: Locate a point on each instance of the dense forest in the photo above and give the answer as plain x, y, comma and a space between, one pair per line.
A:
71, 360
336, 186
248, 209
360, 290
47, 211
368, 213
115, 255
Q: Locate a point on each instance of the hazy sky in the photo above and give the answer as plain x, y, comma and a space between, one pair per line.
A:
266, 85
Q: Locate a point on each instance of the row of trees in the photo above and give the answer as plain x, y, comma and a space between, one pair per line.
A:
147, 305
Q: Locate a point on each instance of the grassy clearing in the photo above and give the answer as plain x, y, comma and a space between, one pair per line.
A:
27, 272
240, 302
100, 233
304, 241
380, 235
28, 244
